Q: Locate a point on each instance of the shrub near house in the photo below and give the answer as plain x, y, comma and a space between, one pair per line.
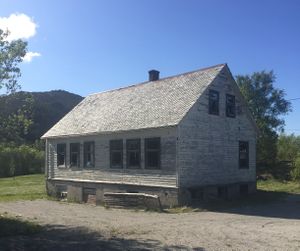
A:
20, 160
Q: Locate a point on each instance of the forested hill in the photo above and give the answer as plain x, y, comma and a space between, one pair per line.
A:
46, 108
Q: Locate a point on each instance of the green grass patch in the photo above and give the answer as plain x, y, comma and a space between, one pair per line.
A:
27, 187
13, 226
273, 185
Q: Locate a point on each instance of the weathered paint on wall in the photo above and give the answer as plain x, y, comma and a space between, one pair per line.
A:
166, 176
208, 147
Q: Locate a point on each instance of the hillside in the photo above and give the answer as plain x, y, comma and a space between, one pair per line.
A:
48, 108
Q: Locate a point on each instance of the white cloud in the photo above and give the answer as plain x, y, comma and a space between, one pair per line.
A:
30, 55
20, 26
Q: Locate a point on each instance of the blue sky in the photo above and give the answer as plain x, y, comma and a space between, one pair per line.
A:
91, 46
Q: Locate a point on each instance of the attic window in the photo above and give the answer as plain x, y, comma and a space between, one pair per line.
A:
152, 153
133, 147
74, 154
61, 154
213, 102
230, 106
89, 154
116, 153
243, 154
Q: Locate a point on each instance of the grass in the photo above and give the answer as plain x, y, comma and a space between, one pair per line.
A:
27, 187
12, 226
272, 185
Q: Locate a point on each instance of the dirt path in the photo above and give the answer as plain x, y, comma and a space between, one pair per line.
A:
83, 227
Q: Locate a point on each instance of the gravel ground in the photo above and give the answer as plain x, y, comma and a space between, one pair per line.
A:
70, 226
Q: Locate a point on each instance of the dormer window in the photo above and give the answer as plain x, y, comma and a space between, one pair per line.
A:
213, 103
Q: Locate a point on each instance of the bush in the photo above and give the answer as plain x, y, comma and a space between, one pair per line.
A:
282, 170
20, 160
295, 172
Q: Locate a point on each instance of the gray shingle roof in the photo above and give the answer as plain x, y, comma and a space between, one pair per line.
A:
153, 104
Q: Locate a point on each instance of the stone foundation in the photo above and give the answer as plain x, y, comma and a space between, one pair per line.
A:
216, 192
168, 196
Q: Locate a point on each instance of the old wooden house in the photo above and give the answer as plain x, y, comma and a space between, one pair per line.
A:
185, 137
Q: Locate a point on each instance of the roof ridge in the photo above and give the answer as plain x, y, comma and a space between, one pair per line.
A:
148, 82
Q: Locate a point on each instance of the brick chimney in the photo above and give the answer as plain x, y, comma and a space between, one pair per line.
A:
153, 75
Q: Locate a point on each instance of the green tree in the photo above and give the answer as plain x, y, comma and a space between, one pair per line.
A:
267, 105
11, 54
288, 156
12, 126
295, 172
288, 147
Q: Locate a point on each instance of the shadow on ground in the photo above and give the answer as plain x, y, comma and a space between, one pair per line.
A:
263, 203
58, 237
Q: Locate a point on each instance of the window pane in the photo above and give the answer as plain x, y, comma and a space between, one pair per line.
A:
213, 102
74, 159
116, 159
61, 154
243, 154
230, 105
89, 154
116, 144
133, 144
74, 147
152, 153
134, 159
152, 159
89, 159
60, 160
133, 153
153, 143
74, 154
116, 153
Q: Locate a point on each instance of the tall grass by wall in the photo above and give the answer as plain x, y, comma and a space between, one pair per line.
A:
295, 172
20, 160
